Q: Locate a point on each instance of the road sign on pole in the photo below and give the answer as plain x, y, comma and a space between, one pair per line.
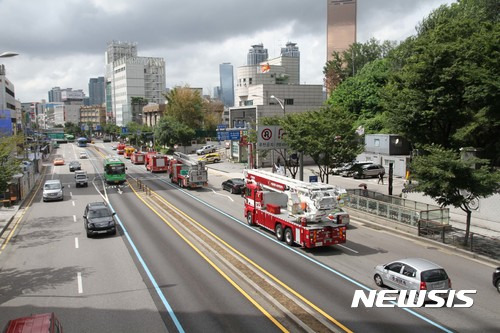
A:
270, 137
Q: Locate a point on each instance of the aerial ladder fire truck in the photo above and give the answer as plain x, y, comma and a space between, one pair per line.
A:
308, 214
187, 172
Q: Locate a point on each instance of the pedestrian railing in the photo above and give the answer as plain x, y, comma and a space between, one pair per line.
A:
397, 209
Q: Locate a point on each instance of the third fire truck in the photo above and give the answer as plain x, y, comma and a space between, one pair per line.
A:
308, 214
186, 172
157, 163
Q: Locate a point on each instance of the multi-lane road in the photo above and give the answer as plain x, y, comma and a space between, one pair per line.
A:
185, 260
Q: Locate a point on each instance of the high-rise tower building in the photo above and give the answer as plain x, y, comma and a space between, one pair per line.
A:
257, 54
290, 50
226, 84
341, 25
97, 89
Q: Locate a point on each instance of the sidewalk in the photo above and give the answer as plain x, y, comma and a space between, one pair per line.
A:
7, 214
479, 226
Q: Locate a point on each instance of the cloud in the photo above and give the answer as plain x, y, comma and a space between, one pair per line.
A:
62, 43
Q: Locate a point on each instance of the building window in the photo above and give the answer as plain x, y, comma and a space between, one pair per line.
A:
288, 101
376, 142
250, 80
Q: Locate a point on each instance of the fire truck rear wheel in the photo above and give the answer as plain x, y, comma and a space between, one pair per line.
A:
278, 229
288, 236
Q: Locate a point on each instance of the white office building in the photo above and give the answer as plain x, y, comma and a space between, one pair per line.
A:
127, 76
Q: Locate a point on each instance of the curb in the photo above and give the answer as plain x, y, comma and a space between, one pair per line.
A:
479, 257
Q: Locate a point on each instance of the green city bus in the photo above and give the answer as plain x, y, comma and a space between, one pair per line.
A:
114, 170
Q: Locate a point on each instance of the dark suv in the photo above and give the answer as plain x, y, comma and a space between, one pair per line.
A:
98, 219
496, 278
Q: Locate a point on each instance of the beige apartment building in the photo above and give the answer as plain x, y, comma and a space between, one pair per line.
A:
94, 114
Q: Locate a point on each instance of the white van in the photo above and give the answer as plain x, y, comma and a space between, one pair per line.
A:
53, 190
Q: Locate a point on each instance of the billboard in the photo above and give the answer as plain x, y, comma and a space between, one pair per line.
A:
5, 123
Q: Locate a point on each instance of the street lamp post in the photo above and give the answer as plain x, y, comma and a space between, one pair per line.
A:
282, 105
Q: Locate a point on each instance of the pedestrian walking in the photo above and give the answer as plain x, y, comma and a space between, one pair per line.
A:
380, 178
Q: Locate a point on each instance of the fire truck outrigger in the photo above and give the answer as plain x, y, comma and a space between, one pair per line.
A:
308, 214
187, 172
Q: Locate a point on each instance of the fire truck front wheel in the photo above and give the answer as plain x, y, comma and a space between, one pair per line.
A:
288, 236
249, 218
278, 229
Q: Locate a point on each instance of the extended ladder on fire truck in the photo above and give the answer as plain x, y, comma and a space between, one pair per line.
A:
185, 159
186, 172
311, 200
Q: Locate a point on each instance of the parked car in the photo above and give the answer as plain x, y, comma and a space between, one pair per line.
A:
83, 155
496, 279
52, 190
350, 169
37, 323
412, 274
58, 161
206, 149
339, 169
113, 147
210, 158
370, 170
98, 219
234, 185
81, 179
74, 165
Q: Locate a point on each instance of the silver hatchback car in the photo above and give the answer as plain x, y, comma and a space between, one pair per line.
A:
412, 274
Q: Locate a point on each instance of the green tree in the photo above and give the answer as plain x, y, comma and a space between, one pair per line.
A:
9, 163
360, 95
349, 62
169, 131
452, 181
326, 135
186, 106
447, 90
212, 114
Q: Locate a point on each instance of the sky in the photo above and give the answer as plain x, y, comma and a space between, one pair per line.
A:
61, 43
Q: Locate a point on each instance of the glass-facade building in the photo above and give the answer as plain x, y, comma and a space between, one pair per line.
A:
97, 88
226, 84
257, 54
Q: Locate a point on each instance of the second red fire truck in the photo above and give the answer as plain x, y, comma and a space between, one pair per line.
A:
187, 172
308, 214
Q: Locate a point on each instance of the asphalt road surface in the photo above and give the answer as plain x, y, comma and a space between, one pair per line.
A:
185, 260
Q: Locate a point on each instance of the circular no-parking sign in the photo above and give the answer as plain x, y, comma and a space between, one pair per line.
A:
266, 134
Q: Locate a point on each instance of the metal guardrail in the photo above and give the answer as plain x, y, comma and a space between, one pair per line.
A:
431, 221
401, 210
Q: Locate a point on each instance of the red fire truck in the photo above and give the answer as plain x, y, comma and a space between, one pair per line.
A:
308, 214
157, 163
120, 148
137, 158
187, 172
148, 156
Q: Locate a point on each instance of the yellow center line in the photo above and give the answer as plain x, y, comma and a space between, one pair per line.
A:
231, 281
275, 279
25, 209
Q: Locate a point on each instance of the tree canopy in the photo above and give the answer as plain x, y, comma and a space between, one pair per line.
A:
9, 164
453, 181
